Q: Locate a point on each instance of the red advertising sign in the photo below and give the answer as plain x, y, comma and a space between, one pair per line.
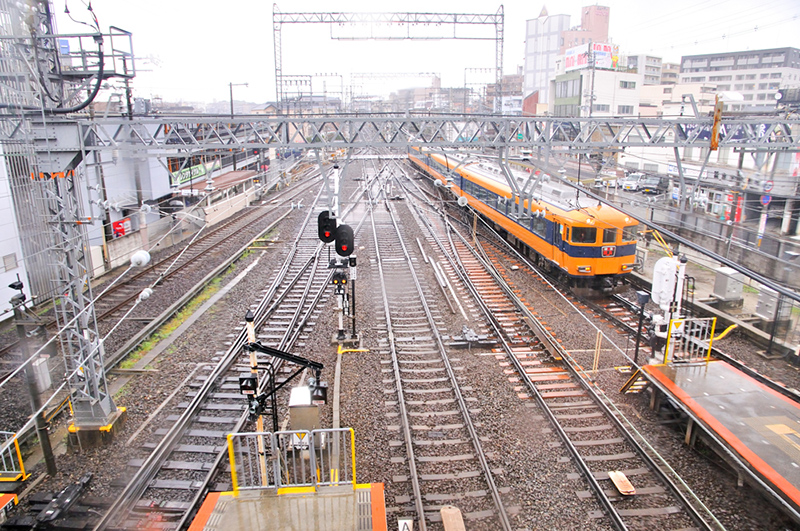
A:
121, 228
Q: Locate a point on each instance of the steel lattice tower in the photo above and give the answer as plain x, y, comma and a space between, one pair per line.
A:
39, 80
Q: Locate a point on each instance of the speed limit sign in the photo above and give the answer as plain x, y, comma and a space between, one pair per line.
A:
768, 185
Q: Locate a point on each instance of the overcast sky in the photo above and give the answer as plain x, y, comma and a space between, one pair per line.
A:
190, 51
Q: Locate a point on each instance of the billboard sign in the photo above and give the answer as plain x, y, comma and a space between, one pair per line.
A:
605, 56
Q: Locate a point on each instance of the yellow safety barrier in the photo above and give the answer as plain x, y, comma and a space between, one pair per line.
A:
298, 461
232, 459
689, 340
12, 467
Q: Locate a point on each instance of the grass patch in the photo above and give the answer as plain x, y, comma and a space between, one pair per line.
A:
122, 391
749, 289
170, 326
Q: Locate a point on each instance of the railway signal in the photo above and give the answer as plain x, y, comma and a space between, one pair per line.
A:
344, 240
326, 227
339, 278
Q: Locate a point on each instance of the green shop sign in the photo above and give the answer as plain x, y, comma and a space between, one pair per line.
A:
194, 172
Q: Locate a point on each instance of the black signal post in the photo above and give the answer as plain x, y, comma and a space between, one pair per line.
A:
641, 297
352, 263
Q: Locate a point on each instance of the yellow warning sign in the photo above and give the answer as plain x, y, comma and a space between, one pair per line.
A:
676, 327
300, 435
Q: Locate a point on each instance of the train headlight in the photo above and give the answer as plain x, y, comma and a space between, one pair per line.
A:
584, 269
627, 267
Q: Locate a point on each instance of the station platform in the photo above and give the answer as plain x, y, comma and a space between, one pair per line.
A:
757, 424
327, 509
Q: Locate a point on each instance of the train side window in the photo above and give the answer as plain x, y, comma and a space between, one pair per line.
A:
539, 226
629, 233
584, 235
609, 235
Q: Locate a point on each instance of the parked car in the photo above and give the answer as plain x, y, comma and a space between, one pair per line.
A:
654, 184
608, 182
631, 182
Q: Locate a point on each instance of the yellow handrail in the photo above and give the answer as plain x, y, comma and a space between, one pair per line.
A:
232, 458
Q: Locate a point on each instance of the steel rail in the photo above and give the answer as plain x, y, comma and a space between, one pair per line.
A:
150, 466
602, 401
729, 455
264, 309
487, 473
554, 348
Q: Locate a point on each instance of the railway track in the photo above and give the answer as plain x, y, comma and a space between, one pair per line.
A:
193, 262
601, 445
183, 261
439, 443
171, 481
169, 484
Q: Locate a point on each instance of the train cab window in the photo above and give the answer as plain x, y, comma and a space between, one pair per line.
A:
584, 235
609, 235
629, 233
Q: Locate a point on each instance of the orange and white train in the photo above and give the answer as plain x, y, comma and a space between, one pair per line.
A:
592, 245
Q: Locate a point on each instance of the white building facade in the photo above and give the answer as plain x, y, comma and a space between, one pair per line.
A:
756, 75
542, 46
673, 100
647, 65
11, 262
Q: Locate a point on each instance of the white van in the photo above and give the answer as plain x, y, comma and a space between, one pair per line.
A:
631, 182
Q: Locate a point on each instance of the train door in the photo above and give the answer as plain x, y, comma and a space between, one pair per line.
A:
560, 237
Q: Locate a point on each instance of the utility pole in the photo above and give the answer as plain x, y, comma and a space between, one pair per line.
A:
18, 302
590, 58
230, 86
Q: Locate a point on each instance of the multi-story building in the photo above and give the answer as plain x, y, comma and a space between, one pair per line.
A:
673, 100
670, 73
542, 47
546, 38
647, 65
585, 89
512, 94
593, 28
755, 74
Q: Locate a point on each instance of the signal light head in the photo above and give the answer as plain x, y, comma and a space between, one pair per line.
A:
344, 240
326, 227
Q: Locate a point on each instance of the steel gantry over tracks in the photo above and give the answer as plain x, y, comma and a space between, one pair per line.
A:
161, 135
394, 26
